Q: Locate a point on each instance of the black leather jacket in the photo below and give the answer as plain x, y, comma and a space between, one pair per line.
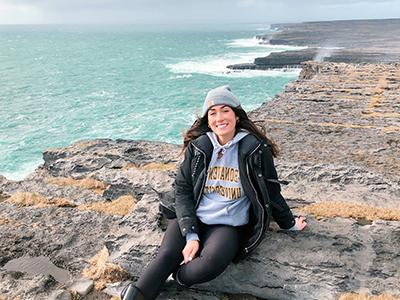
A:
259, 180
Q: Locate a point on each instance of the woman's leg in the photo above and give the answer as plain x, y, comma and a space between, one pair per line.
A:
220, 244
168, 258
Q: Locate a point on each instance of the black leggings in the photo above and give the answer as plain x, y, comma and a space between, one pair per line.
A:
218, 246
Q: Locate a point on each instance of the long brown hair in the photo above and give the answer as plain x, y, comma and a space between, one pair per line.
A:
200, 127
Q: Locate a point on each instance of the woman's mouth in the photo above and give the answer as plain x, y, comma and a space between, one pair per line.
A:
221, 126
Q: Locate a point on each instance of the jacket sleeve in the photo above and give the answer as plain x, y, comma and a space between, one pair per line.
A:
280, 210
184, 202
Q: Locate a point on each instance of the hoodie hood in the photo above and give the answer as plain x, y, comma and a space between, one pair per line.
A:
218, 147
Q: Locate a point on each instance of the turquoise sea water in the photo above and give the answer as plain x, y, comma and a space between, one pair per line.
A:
60, 84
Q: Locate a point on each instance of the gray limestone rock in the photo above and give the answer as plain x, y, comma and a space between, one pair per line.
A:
60, 295
82, 286
337, 145
291, 265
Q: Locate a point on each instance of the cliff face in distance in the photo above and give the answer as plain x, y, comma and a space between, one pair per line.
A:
354, 41
355, 34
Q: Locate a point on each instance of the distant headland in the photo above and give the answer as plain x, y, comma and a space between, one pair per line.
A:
353, 41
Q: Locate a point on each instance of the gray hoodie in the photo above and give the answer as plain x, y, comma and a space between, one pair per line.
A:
223, 200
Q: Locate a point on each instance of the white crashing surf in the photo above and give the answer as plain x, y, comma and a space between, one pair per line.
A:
259, 43
181, 76
23, 171
216, 65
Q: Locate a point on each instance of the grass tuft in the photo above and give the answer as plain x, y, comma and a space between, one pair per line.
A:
351, 210
153, 166
103, 272
355, 296
121, 206
94, 185
22, 199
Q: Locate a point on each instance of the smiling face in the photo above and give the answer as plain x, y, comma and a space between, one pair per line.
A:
222, 121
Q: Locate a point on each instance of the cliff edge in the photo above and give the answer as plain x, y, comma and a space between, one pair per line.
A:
87, 219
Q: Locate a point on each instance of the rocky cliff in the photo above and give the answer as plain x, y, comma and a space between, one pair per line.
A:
353, 41
87, 219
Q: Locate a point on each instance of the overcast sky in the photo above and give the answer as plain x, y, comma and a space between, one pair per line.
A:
191, 11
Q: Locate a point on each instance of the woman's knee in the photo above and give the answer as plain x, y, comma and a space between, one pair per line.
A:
169, 255
212, 261
202, 269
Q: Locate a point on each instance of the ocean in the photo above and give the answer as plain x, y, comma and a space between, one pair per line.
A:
60, 84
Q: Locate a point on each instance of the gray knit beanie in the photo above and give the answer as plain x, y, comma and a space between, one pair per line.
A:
218, 96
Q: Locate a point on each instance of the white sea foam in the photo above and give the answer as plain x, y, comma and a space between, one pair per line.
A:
255, 42
23, 171
102, 94
293, 72
181, 76
245, 43
217, 65
264, 29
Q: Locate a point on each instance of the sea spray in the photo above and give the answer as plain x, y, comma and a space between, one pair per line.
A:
323, 52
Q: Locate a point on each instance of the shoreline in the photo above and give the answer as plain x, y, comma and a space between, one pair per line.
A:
23, 147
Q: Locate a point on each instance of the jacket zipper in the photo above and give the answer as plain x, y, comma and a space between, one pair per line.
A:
205, 177
195, 166
247, 249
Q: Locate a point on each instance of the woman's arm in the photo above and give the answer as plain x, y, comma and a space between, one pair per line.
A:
280, 210
184, 202
184, 207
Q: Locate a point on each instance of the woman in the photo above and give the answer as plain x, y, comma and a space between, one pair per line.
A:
226, 192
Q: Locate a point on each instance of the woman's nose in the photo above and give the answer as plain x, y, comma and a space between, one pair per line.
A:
219, 116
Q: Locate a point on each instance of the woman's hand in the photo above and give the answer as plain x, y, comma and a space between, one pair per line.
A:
300, 223
190, 250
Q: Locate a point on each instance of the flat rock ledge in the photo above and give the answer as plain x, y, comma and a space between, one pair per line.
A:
92, 207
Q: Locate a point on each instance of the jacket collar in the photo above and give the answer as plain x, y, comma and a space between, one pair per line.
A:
203, 142
246, 145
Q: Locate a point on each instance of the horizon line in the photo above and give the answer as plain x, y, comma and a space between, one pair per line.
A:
196, 23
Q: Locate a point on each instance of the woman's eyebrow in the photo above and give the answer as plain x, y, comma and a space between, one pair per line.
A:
214, 109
